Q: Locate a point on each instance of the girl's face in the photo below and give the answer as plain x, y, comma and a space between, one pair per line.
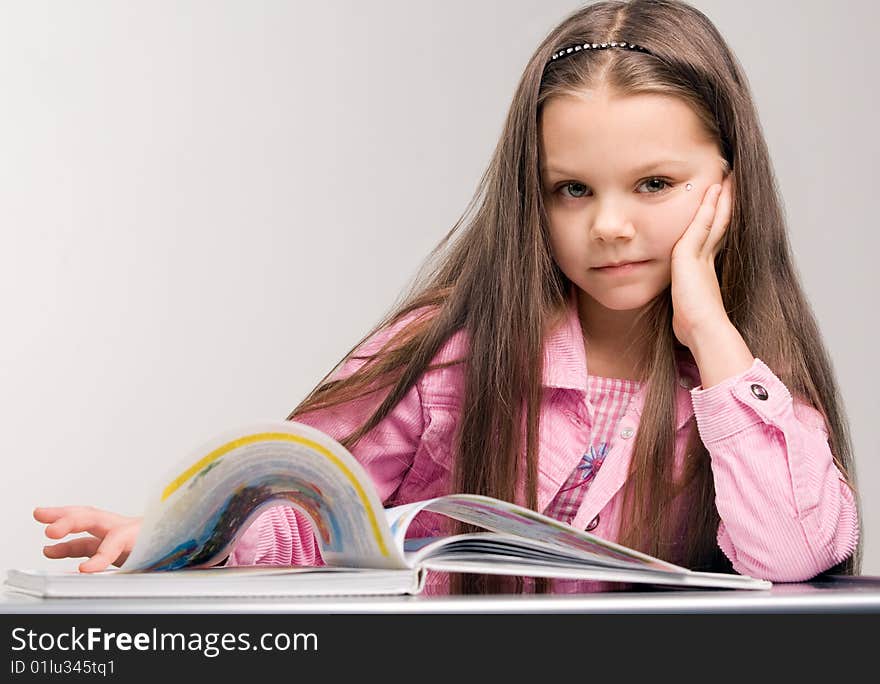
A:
614, 171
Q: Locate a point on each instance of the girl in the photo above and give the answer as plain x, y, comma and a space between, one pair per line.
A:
683, 404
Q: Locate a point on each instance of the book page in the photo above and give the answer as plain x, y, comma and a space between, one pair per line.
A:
400, 517
206, 503
498, 547
500, 516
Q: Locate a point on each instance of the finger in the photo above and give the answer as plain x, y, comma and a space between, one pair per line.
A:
48, 514
720, 221
109, 551
697, 232
75, 548
707, 210
93, 521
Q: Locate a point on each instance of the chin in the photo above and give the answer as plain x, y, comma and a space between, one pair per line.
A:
625, 299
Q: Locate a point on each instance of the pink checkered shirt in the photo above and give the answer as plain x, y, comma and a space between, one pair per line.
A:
609, 398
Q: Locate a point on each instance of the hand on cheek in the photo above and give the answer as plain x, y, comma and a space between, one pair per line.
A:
696, 293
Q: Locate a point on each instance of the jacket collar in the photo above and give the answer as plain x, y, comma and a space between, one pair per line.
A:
565, 366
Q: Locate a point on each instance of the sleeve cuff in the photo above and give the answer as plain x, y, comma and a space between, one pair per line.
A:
754, 396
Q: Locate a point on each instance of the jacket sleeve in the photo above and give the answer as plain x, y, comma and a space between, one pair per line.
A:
282, 535
786, 512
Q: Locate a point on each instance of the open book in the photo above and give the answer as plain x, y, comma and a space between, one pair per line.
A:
206, 503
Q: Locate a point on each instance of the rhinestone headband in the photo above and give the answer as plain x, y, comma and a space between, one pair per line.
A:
596, 46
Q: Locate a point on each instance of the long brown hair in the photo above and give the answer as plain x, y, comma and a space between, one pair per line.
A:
493, 275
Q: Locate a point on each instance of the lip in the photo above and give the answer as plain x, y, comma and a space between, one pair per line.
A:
623, 268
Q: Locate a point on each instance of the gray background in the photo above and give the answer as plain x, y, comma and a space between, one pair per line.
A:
204, 205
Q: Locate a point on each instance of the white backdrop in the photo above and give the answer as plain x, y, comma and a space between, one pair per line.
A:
204, 205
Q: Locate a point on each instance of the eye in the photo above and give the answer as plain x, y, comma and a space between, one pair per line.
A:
664, 183
568, 185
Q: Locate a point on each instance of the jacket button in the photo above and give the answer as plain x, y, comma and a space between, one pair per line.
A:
760, 392
626, 433
594, 523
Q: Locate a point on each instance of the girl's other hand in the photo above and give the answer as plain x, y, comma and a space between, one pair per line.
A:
112, 539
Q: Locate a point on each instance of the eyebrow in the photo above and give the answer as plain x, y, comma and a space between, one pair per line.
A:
644, 168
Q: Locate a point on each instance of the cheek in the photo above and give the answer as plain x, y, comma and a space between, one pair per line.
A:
667, 224
565, 241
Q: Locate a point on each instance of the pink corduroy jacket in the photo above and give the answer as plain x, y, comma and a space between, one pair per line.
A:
786, 513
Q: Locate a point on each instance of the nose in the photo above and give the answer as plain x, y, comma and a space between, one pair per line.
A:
610, 223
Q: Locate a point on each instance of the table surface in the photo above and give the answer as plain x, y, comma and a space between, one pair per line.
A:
831, 594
